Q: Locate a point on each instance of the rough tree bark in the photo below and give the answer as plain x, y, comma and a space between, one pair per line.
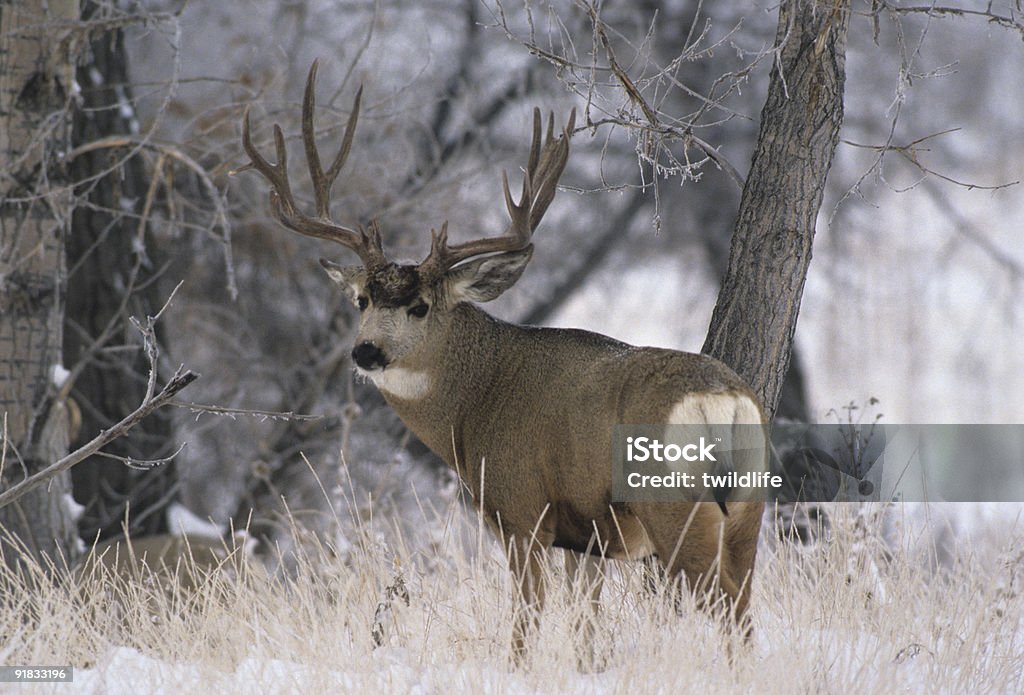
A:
36, 78
110, 258
755, 318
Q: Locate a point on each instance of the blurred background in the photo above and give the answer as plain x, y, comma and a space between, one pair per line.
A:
911, 310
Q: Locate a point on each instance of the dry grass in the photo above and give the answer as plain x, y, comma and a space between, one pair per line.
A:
849, 615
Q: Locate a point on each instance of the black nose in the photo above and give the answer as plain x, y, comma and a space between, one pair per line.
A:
369, 356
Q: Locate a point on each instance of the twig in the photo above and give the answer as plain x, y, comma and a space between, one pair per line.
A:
142, 464
1007, 22
911, 151
200, 408
153, 400
180, 380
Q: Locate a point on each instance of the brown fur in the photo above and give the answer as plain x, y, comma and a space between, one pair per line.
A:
526, 416
171, 562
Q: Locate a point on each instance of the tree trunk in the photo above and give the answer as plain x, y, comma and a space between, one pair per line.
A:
754, 320
111, 259
36, 78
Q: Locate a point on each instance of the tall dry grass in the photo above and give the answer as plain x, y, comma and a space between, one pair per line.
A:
860, 612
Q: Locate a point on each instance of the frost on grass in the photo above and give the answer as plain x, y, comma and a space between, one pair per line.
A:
861, 611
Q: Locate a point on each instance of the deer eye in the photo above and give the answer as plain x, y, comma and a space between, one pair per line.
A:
362, 302
419, 311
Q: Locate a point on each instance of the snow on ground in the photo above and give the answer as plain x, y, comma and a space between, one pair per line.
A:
390, 670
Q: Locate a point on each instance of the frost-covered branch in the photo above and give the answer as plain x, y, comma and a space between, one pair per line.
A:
912, 153
180, 380
625, 85
910, 52
199, 409
1011, 21
154, 399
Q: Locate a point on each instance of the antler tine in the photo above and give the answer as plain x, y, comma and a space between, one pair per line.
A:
531, 163
439, 240
346, 141
283, 186
282, 203
550, 168
274, 173
321, 187
322, 181
540, 182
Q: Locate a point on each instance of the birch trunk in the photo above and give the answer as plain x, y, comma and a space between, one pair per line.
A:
36, 90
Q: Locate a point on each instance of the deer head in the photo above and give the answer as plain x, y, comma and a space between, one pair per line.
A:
403, 305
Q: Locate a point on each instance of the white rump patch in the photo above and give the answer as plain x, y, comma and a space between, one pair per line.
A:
715, 409
406, 384
721, 412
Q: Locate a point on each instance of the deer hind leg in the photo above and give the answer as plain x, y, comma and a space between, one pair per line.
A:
586, 576
742, 530
698, 544
526, 562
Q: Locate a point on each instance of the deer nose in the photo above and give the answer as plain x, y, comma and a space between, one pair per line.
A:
368, 356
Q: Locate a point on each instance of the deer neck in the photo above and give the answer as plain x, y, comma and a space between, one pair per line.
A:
435, 394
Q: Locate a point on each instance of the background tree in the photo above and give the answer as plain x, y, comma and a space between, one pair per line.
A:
37, 55
78, 187
114, 272
755, 318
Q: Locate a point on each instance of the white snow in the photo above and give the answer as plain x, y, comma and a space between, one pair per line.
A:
59, 375
390, 670
181, 520
74, 509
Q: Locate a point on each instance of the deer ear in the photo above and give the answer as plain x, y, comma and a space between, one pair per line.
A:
484, 279
351, 279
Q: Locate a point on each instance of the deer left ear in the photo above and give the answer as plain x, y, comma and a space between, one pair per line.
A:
484, 279
351, 279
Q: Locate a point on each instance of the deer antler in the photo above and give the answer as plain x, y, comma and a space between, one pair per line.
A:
540, 182
366, 243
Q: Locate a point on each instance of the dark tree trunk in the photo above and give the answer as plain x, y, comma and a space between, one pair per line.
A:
36, 76
110, 258
754, 320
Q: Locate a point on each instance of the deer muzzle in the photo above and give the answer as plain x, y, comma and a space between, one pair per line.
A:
368, 356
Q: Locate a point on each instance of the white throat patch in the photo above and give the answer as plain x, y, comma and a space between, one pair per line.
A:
406, 384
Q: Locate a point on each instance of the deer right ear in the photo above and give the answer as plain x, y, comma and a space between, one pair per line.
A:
484, 279
351, 278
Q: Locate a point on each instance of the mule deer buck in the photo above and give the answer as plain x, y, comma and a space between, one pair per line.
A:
525, 415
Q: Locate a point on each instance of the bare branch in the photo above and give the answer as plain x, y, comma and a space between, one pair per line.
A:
911, 152
179, 381
153, 400
907, 73
199, 409
1007, 22
142, 464
647, 86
